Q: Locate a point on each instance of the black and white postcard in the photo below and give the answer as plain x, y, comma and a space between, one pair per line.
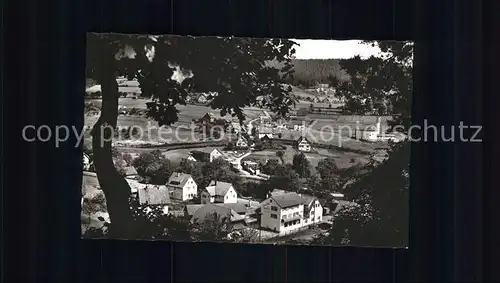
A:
247, 140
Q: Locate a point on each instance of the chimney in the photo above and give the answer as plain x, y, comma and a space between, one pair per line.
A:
178, 174
377, 126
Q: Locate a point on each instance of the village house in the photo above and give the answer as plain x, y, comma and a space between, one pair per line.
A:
219, 192
208, 118
251, 166
241, 213
265, 132
206, 154
87, 162
190, 157
182, 186
207, 212
303, 144
153, 196
241, 141
290, 211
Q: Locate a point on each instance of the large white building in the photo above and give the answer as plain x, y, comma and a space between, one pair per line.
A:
290, 211
182, 186
219, 192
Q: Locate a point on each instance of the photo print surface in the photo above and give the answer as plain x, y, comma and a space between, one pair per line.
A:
247, 140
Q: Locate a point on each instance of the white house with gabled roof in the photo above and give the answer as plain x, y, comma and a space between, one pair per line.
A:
290, 211
303, 144
219, 192
182, 186
241, 141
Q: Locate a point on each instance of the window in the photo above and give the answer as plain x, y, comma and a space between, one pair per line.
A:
274, 208
274, 216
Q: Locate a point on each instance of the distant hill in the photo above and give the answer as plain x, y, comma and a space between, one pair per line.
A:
309, 72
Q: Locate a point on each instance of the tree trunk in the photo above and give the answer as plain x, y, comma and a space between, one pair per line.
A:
114, 186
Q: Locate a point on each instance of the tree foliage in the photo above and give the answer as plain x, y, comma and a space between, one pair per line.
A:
380, 217
380, 85
234, 68
153, 167
301, 165
310, 72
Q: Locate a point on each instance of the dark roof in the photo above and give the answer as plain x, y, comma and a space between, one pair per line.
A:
288, 200
302, 138
208, 210
153, 195
218, 188
291, 199
178, 179
237, 207
277, 192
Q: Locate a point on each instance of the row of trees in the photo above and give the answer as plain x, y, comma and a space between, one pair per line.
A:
154, 168
310, 72
382, 195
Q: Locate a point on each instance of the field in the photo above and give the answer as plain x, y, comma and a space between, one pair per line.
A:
334, 130
344, 159
178, 132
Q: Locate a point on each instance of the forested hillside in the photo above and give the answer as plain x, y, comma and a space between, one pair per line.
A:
308, 72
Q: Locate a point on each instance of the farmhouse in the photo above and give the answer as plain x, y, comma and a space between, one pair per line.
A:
302, 144
219, 192
154, 196
182, 186
290, 211
242, 141
206, 154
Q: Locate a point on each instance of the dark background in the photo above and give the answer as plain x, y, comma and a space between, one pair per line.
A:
451, 192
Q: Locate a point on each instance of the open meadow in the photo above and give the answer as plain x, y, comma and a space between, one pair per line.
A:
343, 159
